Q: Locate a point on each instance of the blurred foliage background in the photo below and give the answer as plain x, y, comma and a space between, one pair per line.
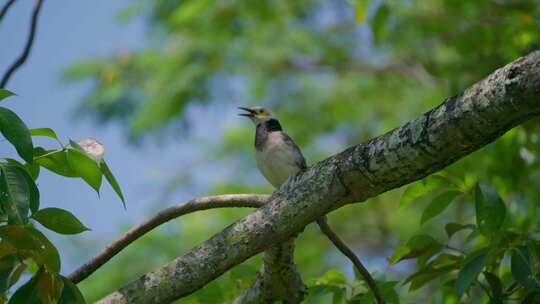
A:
335, 73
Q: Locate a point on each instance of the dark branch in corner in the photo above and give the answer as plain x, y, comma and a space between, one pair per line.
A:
341, 246
29, 42
5, 8
197, 204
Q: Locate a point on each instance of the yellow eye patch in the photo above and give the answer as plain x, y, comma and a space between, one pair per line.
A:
263, 113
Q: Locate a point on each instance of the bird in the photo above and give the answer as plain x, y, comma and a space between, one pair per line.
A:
278, 156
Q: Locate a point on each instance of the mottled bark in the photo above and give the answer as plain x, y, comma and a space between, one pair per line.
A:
457, 127
278, 279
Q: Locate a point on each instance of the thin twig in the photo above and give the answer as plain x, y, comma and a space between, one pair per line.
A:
334, 238
29, 42
510, 288
198, 204
5, 8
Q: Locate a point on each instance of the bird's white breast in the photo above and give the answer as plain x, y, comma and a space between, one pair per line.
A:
276, 160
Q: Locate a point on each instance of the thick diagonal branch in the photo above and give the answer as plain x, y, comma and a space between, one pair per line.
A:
439, 137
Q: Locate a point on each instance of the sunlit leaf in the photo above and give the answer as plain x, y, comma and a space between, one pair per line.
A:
472, 266
85, 167
16, 132
332, 276
361, 8
189, 10
47, 132
59, 220
5, 93
55, 161
112, 181
73, 144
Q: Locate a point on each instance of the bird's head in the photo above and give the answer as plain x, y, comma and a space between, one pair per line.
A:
256, 114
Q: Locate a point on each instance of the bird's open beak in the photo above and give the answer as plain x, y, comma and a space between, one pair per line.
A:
250, 113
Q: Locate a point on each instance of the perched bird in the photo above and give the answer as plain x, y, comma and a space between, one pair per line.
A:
278, 157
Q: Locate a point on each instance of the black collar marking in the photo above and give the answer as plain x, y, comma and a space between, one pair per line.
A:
272, 125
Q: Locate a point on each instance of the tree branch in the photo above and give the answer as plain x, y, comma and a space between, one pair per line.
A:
198, 204
5, 8
341, 246
29, 42
454, 129
277, 280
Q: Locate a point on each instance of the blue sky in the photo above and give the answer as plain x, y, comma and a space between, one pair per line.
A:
69, 31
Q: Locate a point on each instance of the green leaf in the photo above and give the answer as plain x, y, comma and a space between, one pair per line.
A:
421, 278
30, 175
70, 293
27, 293
31, 168
43, 287
5, 94
85, 167
472, 266
361, 8
59, 220
55, 161
112, 181
32, 242
520, 264
46, 132
418, 245
452, 228
532, 298
16, 132
490, 209
422, 188
11, 268
495, 285
388, 292
15, 194
332, 276
318, 293
442, 264
76, 146
439, 204
379, 24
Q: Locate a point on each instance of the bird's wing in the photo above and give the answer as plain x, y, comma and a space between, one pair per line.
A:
299, 159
